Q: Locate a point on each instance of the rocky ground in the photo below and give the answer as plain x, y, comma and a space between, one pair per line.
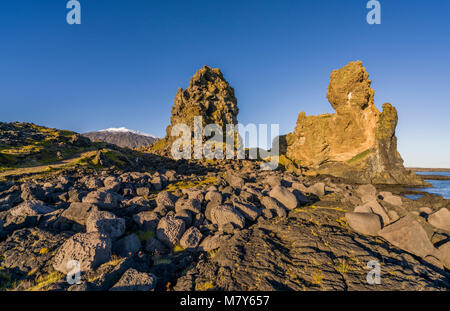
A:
217, 226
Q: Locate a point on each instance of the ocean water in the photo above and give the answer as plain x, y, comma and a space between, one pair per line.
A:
440, 187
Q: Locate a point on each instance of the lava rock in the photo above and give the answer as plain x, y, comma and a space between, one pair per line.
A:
155, 247
127, 246
105, 223
147, 220
78, 212
440, 219
170, 230
133, 280
89, 249
364, 223
31, 208
285, 197
222, 215
408, 234
191, 238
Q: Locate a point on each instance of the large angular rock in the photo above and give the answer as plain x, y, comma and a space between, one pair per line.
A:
357, 142
247, 210
112, 183
192, 205
440, 219
212, 242
191, 238
234, 180
222, 215
193, 193
363, 209
157, 183
214, 197
143, 191
272, 204
186, 216
32, 192
104, 277
408, 235
133, 280
166, 199
364, 223
75, 195
78, 212
103, 199
147, 220
127, 246
105, 223
317, 189
391, 199
9, 201
300, 187
285, 197
31, 208
170, 230
379, 210
366, 190
93, 183
89, 249
272, 180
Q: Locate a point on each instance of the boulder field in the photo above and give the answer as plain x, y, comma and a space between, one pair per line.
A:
245, 230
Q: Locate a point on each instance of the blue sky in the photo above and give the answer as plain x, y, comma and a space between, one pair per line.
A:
123, 65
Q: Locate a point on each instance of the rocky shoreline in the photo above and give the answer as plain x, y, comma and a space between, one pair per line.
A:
415, 169
435, 177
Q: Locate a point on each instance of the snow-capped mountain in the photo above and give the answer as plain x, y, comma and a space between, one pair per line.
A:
122, 137
125, 130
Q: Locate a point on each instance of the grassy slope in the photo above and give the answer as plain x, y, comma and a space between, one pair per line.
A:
29, 149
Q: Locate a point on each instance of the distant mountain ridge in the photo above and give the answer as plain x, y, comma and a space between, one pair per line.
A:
122, 137
125, 130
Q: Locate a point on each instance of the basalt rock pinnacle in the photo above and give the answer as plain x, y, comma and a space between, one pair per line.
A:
357, 142
208, 96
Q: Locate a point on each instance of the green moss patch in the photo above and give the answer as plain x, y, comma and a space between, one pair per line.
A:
360, 156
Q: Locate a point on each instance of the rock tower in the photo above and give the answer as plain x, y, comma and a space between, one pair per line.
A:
357, 142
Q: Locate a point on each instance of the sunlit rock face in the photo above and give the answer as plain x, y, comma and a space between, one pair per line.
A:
357, 142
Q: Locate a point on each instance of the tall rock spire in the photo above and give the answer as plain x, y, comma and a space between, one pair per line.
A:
208, 96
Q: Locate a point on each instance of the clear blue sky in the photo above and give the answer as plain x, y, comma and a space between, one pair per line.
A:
123, 65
